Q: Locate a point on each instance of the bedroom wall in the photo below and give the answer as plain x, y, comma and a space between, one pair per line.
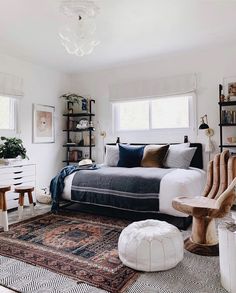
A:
211, 65
41, 86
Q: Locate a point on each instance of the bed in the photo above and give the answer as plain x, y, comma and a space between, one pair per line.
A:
146, 192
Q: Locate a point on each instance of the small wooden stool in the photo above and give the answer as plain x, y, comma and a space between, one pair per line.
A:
3, 206
22, 190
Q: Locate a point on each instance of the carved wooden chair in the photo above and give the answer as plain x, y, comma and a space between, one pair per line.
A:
215, 202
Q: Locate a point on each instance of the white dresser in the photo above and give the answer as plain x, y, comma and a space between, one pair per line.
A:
20, 173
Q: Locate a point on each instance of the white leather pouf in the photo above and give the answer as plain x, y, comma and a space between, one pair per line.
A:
150, 245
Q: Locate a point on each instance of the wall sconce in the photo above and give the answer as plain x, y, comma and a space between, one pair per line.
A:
209, 133
204, 125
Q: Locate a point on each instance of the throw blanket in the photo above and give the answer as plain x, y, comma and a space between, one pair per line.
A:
124, 188
57, 183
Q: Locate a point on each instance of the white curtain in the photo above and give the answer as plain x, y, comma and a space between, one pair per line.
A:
11, 85
159, 87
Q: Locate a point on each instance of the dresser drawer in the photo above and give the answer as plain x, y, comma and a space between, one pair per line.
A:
16, 170
17, 181
15, 176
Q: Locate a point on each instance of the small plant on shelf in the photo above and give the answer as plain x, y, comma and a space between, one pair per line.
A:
72, 99
12, 148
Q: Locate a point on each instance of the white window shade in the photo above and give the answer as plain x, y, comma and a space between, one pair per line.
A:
166, 86
11, 86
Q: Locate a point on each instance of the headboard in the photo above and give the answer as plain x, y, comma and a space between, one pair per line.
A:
197, 160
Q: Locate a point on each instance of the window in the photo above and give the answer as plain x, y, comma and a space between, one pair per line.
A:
132, 115
170, 112
175, 112
7, 113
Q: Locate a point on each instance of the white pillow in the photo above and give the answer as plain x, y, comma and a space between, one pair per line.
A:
179, 158
112, 155
179, 146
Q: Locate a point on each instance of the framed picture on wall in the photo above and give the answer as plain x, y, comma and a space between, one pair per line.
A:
43, 124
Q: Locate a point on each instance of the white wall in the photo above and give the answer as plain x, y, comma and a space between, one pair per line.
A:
211, 65
41, 86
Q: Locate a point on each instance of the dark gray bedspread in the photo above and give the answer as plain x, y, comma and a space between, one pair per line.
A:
124, 188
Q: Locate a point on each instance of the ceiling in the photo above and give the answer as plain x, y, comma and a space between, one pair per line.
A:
128, 30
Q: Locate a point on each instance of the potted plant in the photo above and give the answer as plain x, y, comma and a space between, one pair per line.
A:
73, 99
12, 148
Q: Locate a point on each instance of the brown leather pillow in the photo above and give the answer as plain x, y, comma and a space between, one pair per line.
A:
153, 156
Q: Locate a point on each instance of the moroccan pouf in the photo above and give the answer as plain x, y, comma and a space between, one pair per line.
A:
150, 245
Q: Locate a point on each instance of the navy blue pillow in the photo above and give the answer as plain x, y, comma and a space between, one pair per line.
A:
130, 156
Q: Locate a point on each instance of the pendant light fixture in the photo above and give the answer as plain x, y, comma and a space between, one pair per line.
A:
78, 34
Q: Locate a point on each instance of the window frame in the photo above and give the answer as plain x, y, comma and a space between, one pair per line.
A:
192, 112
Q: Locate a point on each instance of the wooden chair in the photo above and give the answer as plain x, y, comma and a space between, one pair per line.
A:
215, 202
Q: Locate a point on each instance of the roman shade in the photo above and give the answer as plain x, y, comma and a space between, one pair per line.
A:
11, 85
166, 86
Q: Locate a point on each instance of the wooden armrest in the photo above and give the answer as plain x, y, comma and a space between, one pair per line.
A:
199, 201
195, 205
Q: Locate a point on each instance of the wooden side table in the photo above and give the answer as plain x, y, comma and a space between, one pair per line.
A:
22, 190
3, 206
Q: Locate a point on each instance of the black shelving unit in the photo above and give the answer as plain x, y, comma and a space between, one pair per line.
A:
68, 145
222, 124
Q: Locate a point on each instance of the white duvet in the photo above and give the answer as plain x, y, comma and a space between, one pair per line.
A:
179, 182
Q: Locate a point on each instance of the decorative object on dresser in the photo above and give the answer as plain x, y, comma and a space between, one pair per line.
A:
216, 200
227, 113
12, 150
16, 175
150, 246
43, 124
79, 123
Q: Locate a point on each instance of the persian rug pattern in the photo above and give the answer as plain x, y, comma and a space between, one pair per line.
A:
81, 246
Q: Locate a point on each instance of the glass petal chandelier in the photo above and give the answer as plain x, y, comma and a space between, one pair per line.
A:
78, 35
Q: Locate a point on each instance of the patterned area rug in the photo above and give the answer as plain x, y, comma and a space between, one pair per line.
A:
81, 246
195, 274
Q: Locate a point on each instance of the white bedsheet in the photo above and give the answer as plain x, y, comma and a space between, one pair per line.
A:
179, 182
